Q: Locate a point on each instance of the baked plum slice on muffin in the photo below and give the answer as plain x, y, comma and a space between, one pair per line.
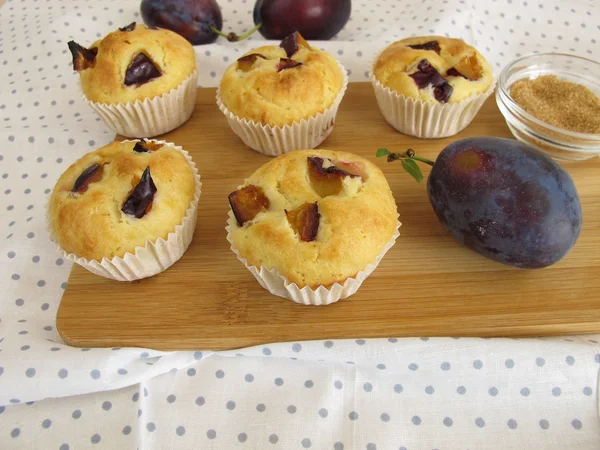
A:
292, 43
247, 202
245, 63
143, 146
89, 175
139, 202
83, 58
326, 177
141, 70
430, 45
286, 63
304, 220
426, 75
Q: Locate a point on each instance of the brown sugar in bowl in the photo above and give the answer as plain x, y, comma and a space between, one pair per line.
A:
559, 143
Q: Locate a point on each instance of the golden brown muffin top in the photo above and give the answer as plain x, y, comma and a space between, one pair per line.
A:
452, 71
112, 70
308, 245
88, 220
260, 89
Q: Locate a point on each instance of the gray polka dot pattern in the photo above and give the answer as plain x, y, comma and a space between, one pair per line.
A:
538, 392
540, 362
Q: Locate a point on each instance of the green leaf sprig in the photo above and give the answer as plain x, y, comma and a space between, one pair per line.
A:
407, 161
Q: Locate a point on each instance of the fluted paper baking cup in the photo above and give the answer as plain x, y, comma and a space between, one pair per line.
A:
152, 116
424, 119
153, 257
274, 282
275, 140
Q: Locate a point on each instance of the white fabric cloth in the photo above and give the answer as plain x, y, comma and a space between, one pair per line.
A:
375, 394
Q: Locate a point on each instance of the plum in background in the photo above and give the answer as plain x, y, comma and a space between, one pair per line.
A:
195, 20
314, 19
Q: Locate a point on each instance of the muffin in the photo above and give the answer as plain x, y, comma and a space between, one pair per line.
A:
141, 81
282, 97
431, 86
311, 225
127, 210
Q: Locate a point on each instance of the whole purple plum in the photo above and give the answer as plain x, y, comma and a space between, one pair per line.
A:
314, 19
505, 200
192, 19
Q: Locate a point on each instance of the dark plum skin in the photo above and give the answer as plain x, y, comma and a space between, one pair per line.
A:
191, 19
505, 200
314, 19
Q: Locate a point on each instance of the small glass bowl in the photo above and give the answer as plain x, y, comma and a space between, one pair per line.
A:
559, 143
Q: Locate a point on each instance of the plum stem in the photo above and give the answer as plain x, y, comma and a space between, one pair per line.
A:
410, 153
407, 161
423, 160
232, 37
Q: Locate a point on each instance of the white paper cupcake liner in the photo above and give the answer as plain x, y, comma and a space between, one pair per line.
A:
274, 282
153, 116
274, 140
423, 119
153, 257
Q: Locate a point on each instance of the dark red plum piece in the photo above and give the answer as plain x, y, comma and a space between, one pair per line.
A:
285, 63
505, 200
245, 63
89, 175
191, 19
292, 43
431, 45
247, 202
129, 27
304, 220
326, 181
314, 19
140, 71
139, 202
142, 146
452, 72
427, 75
83, 58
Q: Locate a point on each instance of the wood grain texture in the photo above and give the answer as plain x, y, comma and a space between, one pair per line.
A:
427, 284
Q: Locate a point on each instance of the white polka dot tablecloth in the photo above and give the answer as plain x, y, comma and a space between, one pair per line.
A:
415, 393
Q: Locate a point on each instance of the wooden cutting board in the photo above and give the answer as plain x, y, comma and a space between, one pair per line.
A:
427, 284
